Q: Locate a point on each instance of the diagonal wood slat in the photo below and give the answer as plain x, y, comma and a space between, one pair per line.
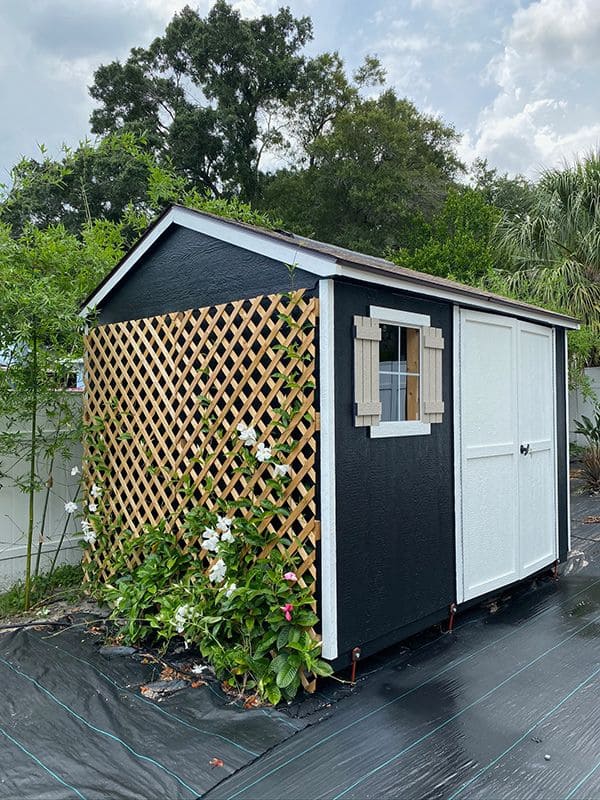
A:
178, 379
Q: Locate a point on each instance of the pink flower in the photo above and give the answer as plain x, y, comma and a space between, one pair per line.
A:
287, 611
291, 577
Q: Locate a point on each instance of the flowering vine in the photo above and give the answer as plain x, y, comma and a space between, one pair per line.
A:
231, 591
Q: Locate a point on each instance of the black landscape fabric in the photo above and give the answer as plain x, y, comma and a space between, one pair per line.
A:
74, 724
505, 708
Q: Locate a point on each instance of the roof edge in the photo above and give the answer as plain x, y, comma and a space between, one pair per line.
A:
316, 257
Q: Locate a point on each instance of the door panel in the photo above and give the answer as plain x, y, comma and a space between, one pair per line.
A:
489, 444
508, 510
490, 546
537, 477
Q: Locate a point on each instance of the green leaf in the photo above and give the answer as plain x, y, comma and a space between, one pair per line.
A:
279, 662
283, 637
273, 695
322, 668
286, 675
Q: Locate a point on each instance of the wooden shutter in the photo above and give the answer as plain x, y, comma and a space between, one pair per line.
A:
367, 407
431, 375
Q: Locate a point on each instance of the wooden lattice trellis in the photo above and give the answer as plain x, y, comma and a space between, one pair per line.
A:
166, 384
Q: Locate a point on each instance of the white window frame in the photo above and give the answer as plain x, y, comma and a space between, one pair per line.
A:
404, 319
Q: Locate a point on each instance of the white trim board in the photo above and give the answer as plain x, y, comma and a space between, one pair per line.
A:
324, 265
328, 576
458, 545
397, 317
567, 415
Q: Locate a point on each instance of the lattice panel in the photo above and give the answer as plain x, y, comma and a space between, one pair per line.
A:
177, 380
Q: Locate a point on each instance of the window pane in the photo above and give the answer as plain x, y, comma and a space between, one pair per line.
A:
412, 366
399, 373
412, 397
388, 395
388, 348
411, 353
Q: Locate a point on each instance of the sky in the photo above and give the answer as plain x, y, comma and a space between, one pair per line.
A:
518, 80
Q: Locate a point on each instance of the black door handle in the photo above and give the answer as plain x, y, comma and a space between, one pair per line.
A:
525, 449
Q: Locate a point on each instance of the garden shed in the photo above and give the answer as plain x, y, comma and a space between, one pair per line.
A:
427, 452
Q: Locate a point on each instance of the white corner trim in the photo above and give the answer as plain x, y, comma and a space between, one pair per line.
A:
567, 423
328, 573
397, 317
456, 403
253, 240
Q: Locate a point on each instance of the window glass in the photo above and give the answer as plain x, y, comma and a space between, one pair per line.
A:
399, 373
388, 348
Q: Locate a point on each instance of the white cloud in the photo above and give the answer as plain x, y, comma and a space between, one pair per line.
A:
543, 74
557, 32
452, 10
49, 50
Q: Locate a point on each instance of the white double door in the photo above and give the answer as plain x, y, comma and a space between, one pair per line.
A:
506, 466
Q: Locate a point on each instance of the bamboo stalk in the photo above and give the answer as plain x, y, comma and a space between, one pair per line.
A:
27, 600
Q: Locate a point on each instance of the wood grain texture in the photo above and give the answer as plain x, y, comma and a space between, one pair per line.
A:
433, 398
367, 404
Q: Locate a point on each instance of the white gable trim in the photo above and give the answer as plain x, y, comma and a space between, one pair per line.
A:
321, 264
316, 263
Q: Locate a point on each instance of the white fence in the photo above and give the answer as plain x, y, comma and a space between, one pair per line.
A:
578, 404
14, 514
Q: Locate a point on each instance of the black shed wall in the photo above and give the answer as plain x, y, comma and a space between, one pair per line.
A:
187, 269
395, 498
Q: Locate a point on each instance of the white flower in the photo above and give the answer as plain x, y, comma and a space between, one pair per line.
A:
281, 470
75, 471
70, 507
263, 453
230, 589
95, 491
182, 615
223, 524
247, 435
227, 537
212, 544
92, 507
217, 572
198, 669
210, 540
89, 536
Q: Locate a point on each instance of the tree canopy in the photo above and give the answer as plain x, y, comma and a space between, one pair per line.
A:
205, 93
553, 250
458, 243
374, 175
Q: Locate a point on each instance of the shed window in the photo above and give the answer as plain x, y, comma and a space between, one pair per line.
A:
399, 373
398, 388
